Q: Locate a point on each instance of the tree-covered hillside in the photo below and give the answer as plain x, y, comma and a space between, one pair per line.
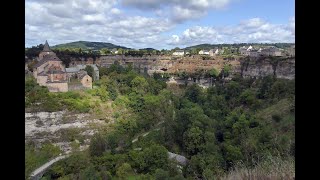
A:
245, 123
85, 45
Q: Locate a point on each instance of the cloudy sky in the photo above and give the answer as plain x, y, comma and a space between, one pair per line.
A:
160, 24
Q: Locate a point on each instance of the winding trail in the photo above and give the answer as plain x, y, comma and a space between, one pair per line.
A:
145, 134
38, 173
177, 157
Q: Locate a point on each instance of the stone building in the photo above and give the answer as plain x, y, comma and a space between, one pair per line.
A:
71, 71
50, 71
271, 51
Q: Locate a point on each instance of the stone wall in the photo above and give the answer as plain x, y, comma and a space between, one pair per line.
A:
57, 87
42, 80
74, 87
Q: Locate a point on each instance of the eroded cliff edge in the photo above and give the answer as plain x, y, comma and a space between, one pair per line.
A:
281, 67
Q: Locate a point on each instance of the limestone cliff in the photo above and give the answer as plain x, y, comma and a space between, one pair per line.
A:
263, 66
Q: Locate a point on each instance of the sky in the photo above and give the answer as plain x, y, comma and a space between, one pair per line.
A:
159, 24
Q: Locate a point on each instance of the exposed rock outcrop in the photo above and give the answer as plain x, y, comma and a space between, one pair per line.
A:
263, 66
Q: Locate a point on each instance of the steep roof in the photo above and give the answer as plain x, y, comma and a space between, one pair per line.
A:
46, 47
81, 66
72, 70
47, 58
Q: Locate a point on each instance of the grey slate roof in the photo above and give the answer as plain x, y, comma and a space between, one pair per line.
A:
55, 72
72, 70
46, 59
80, 66
42, 74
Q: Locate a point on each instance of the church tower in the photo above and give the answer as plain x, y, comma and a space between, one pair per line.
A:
46, 51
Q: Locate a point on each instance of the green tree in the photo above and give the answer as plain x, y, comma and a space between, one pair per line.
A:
124, 171
139, 85
193, 140
120, 51
89, 174
161, 174
155, 157
90, 71
97, 145
105, 51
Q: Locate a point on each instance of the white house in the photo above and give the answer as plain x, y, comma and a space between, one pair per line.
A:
178, 53
204, 52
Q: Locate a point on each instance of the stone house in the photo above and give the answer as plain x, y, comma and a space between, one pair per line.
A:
71, 71
86, 81
50, 71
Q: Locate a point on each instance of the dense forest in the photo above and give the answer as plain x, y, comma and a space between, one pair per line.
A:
242, 124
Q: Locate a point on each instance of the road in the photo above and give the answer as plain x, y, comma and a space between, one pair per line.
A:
37, 174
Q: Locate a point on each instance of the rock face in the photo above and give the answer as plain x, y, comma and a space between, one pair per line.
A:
264, 66
178, 158
56, 127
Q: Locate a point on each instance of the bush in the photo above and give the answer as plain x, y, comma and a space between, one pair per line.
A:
97, 145
276, 117
161, 174
124, 170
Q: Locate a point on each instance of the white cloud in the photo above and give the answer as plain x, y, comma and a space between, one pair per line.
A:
180, 14
179, 10
61, 21
115, 11
93, 20
254, 30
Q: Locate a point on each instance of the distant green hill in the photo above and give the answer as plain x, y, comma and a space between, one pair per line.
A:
148, 49
88, 45
202, 46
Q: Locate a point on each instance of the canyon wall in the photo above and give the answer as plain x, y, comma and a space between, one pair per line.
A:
260, 67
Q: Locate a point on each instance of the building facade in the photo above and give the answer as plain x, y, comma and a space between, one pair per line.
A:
178, 53
50, 71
